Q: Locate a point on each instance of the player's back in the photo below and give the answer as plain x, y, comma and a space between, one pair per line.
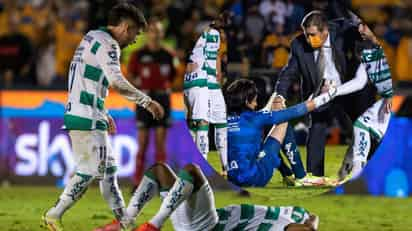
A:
88, 85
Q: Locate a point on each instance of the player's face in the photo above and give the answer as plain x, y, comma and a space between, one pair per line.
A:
252, 104
130, 33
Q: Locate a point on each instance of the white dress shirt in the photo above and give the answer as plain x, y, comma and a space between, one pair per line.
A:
330, 72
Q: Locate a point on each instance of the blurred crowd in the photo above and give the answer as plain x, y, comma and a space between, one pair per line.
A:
38, 37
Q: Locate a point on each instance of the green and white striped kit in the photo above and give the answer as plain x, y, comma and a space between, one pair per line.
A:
378, 70
88, 86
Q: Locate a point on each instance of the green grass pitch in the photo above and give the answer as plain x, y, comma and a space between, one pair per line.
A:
22, 206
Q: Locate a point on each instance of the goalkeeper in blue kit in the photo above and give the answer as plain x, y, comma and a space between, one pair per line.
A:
251, 161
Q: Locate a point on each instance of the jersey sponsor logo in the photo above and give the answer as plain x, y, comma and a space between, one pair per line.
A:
190, 76
233, 127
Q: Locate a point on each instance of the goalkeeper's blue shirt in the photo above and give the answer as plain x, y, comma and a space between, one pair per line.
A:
245, 133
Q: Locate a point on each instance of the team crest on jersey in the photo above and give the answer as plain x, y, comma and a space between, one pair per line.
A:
112, 55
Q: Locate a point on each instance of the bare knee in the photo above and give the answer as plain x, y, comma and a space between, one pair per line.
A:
163, 174
196, 172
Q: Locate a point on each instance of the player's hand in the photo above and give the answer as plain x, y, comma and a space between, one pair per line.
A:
112, 125
223, 173
156, 110
385, 108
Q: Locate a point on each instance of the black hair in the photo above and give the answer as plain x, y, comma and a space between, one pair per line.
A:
124, 11
226, 20
238, 93
315, 18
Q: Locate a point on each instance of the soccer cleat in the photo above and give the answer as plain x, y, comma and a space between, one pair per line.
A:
115, 225
147, 227
288, 181
52, 224
309, 180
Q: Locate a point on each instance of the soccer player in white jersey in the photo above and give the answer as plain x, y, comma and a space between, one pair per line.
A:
94, 68
203, 96
189, 201
372, 124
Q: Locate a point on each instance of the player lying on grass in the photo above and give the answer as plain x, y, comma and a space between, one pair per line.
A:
189, 201
252, 163
94, 68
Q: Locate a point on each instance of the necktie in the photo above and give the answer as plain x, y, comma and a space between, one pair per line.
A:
320, 63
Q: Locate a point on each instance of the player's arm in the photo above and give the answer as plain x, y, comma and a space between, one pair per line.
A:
276, 116
108, 57
355, 84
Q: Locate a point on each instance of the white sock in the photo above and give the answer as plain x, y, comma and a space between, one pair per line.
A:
73, 191
202, 140
221, 143
179, 192
361, 147
147, 189
361, 144
111, 192
357, 168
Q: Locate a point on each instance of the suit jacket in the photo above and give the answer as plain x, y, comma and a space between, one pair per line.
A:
301, 63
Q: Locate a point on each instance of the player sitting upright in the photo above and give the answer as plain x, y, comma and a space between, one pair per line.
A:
250, 162
189, 201
94, 68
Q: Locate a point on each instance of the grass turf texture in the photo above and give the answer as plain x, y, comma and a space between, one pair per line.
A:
22, 206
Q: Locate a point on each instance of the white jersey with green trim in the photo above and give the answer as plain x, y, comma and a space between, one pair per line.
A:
204, 54
378, 70
95, 66
258, 217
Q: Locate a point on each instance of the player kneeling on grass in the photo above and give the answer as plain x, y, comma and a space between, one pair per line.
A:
252, 163
189, 201
94, 68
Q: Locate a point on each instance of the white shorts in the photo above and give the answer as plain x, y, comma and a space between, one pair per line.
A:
92, 152
197, 103
197, 213
217, 107
369, 120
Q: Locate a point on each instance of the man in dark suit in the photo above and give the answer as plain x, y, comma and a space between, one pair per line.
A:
320, 57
